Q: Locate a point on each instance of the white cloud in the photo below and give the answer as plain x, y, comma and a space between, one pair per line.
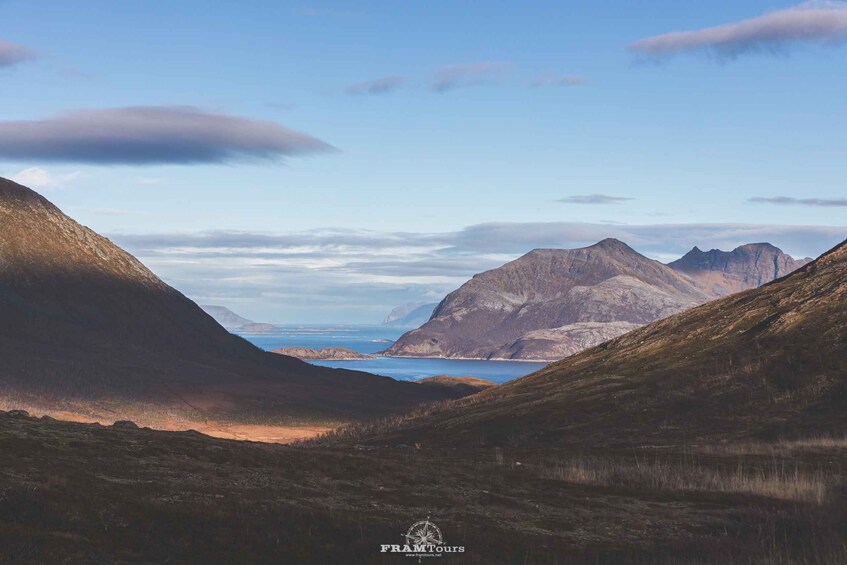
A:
307, 275
40, 179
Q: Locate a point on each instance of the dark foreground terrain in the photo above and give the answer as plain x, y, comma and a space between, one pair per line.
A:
81, 493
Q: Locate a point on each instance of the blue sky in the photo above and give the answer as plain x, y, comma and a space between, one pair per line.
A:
548, 120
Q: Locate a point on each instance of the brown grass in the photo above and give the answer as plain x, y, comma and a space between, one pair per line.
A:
167, 418
775, 479
350, 433
780, 446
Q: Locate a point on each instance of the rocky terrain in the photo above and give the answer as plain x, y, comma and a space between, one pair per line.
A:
495, 314
552, 303
720, 273
324, 354
90, 334
558, 343
765, 363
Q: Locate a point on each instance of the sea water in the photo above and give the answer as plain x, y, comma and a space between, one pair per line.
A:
374, 339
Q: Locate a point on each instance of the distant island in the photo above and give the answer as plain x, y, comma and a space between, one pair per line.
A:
234, 322
255, 328
325, 354
410, 315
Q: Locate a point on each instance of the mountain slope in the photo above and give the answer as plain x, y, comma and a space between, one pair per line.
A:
87, 332
554, 290
724, 272
768, 362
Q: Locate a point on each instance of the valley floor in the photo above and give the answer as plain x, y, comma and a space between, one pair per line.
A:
75, 493
265, 433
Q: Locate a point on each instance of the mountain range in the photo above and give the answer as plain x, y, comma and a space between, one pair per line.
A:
552, 303
765, 363
89, 333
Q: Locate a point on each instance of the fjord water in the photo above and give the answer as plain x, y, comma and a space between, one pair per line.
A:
374, 339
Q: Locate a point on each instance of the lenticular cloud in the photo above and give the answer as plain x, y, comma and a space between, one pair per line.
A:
151, 135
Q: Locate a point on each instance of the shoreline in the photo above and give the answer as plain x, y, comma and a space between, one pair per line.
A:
546, 361
372, 358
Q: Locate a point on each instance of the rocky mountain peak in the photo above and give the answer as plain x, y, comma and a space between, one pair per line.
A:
611, 243
555, 290
747, 266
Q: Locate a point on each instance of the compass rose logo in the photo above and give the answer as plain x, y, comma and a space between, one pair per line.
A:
424, 533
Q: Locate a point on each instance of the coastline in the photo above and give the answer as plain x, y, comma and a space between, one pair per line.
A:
547, 361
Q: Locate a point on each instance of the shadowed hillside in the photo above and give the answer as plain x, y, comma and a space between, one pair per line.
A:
87, 332
768, 362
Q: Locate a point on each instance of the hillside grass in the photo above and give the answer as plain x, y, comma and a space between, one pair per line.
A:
91, 494
775, 479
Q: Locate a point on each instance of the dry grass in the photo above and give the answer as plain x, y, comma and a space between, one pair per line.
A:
773, 480
783, 446
351, 433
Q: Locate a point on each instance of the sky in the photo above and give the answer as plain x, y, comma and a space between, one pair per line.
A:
323, 162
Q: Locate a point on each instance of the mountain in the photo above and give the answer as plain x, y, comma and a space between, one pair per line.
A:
411, 314
225, 317
720, 273
551, 303
765, 363
88, 333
